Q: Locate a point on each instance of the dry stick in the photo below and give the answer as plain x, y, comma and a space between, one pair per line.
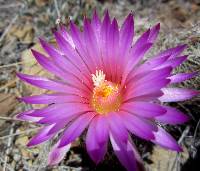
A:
8, 147
196, 129
20, 133
11, 5
56, 7
8, 167
8, 28
8, 84
184, 134
14, 119
10, 65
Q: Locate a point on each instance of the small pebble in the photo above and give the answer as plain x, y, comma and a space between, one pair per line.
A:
17, 157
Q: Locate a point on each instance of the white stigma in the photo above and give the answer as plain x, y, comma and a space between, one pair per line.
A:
98, 78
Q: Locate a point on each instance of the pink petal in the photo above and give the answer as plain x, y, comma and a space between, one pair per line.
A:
148, 96
59, 110
63, 112
50, 66
49, 84
80, 47
172, 116
147, 37
145, 88
134, 57
95, 150
57, 154
177, 94
73, 59
75, 129
126, 34
41, 136
151, 76
124, 152
174, 62
96, 24
57, 56
173, 52
101, 129
144, 109
177, 78
53, 98
113, 52
138, 126
117, 126
91, 44
63, 30
165, 140
104, 33
154, 33
149, 65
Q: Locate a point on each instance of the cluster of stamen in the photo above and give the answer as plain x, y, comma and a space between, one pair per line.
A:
106, 96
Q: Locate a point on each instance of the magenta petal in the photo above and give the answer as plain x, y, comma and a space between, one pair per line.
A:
104, 46
95, 150
63, 112
126, 34
63, 30
56, 55
113, 52
144, 109
60, 124
91, 43
173, 52
71, 60
41, 136
57, 154
78, 39
53, 98
149, 65
172, 116
154, 33
49, 84
151, 76
149, 96
60, 110
96, 24
26, 117
177, 78
124, 152
143, 89
138, 126
177, 94
117, 126
48, 64
174, 62
75, 129
134, 57
102, 129
165, 140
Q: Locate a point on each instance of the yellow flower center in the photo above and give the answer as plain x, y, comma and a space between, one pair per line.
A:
106, 96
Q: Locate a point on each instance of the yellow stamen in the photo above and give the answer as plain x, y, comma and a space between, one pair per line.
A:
106, 96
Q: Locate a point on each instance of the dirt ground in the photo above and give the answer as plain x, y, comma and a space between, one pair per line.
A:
23, 21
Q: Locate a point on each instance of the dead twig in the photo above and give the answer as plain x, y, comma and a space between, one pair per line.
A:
57, 9
12, 119
20, 133
8, 27
8, 147
8, 84
11, 65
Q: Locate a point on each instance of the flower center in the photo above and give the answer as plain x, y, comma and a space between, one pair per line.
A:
106, 96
